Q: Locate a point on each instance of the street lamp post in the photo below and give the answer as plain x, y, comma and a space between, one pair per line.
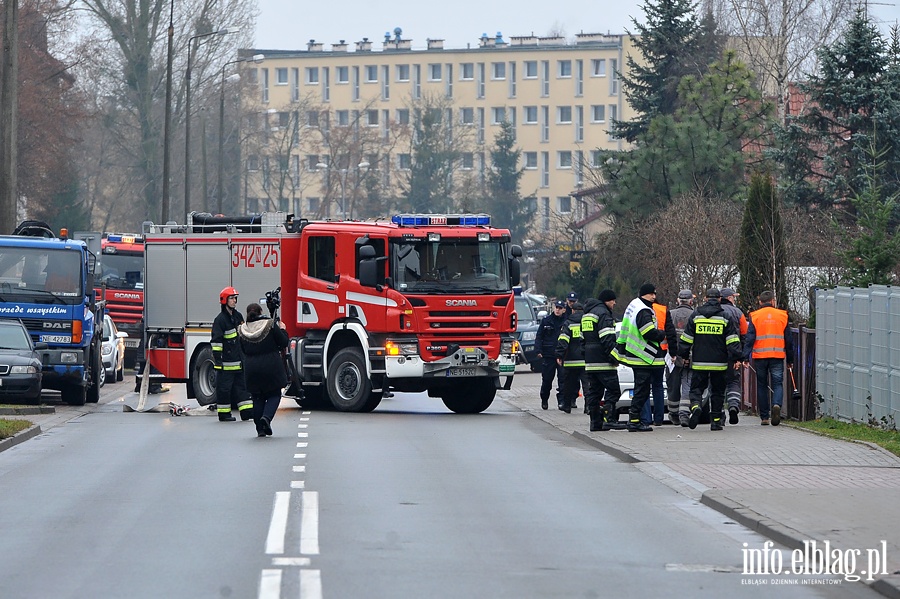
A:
342, 179
220, 190
187, 114
167, 130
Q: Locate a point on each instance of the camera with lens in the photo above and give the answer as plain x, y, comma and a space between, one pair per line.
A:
273, 301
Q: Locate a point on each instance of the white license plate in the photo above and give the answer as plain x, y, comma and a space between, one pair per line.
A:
461, 371
132, 343
56, 339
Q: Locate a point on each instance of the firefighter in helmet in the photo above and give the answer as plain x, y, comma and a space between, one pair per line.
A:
230, 387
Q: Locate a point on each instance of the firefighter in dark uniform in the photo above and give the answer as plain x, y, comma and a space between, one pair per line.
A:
598, 328
545, 342
679, 381
230, 386
570, 355
712, 341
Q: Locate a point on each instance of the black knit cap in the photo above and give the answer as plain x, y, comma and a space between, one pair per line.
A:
647, 288
607, 295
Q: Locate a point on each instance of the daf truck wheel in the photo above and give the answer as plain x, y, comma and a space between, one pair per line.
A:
93, 389
348, 386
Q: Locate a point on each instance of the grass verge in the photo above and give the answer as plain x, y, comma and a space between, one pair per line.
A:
887, 439
8, 428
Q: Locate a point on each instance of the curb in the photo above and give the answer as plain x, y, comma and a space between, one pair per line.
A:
27, 411
28, 433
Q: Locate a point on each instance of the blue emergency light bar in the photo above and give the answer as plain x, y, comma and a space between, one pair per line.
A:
124, 238
424, 220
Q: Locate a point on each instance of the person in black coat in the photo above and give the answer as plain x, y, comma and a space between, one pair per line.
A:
262, 340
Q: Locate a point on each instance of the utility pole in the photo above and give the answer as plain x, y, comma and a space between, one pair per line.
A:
9, 103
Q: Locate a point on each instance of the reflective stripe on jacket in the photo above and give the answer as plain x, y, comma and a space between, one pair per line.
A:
639, 337
598, 328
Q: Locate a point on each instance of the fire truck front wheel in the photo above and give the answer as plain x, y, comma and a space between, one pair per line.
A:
348, 386
474, 398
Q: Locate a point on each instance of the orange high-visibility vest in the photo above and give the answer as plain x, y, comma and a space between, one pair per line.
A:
661, 323
770, 324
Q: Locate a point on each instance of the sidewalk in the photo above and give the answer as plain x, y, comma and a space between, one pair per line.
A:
788, 484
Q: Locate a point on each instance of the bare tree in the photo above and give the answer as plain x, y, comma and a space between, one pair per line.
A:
779, 38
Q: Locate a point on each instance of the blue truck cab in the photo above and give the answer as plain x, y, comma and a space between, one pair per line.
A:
48, 284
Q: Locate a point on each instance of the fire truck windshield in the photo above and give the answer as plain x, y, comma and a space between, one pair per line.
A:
122, 271
40, 275
449, 266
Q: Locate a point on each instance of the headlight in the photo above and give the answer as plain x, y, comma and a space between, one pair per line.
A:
23, 370
68, 357
529, 335
509, 346
106, 350
392, 348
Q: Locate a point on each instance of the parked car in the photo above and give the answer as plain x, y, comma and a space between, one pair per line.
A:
20, 362
530, 312
113, 352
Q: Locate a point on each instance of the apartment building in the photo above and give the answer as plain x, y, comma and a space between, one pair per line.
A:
322, 124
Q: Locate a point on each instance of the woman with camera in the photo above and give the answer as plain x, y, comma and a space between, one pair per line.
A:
262, 340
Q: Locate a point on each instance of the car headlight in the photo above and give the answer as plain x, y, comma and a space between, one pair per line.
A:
393, 348
509, 346
68, 357
529, 335
106, 350
23, 370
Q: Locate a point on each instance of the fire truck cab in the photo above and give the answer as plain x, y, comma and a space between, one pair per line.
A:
121, 284
417, 303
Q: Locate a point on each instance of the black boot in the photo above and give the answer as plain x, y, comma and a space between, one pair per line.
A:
226, 417
597, 419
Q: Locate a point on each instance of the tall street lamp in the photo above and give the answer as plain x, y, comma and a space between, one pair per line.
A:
187, 114
342, 178
220, 190
167, 130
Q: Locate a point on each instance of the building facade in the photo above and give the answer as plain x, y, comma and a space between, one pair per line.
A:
329, 133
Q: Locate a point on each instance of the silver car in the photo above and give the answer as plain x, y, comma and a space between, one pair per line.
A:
113, 352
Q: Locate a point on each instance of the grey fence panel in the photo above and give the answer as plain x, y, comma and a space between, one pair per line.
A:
858, 352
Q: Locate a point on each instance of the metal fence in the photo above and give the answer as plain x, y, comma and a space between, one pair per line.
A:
857, 359
803, 407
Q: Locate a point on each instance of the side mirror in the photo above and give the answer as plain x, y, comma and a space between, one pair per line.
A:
368, 272
541, 314
515, 251
366, 252
515, 272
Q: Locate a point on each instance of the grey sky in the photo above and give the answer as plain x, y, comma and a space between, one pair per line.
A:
290, 24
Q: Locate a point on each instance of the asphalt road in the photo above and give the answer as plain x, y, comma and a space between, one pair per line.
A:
409, 501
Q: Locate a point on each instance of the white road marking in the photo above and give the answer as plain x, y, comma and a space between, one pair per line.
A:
306, 412
278, 525
270, 584
299, 456
290, 561
303, 435
299, 468
302, 445
309, 524
302, 426
298, 484
310, 584
304, 419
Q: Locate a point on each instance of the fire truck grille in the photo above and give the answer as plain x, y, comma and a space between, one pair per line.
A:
459, 325
462, 314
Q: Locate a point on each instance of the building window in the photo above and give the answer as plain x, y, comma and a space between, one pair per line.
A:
498, 115
598, 113
312, 205
564, 159
545, 78
579, 124
467, 71
402, 116
402, 72
295, 170
530, 160
598, 67
354, 94
531, 115
253, 163
264, 85
479, 91
372, 118
545, 214
312, 118
434, 72
563, 69
385, 82
283, 119
564, 204
531, 71
480, 135
311, 161
343, 118
312, 75
595, 158
343, 74
295, 85
545, 169
252, 76
281, 76
467, 116
404, 161
613, 79
371, 73
468, 161
498, 70
545, 123
563, 114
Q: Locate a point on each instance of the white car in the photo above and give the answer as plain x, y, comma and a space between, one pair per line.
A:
113, 352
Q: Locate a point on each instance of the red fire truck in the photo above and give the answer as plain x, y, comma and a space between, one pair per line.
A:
417, 303
121, 281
